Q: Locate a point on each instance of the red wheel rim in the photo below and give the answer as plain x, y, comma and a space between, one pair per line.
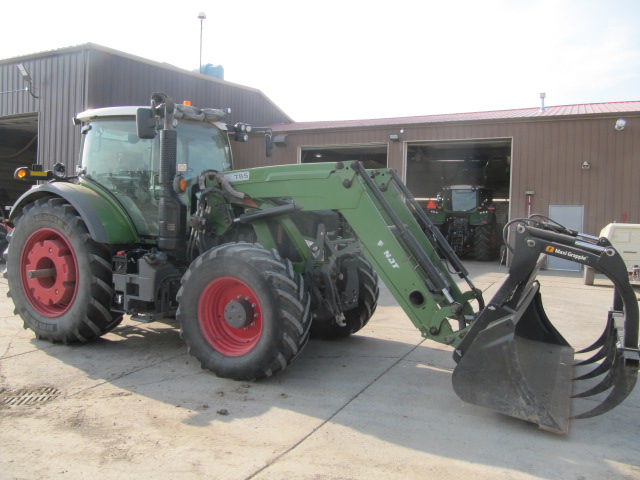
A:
49, 270
230, 316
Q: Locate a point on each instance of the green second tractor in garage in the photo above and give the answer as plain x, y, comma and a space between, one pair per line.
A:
254, 262
466, 216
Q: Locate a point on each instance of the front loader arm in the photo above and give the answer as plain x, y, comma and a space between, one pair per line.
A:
388, 232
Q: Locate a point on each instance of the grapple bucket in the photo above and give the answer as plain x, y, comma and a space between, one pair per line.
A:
515, 362
507, 370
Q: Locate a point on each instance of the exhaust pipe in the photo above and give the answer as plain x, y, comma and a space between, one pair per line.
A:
171, 210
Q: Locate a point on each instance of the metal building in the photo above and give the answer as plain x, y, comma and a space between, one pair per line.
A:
41, 93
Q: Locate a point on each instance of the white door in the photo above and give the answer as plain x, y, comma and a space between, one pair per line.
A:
570, 216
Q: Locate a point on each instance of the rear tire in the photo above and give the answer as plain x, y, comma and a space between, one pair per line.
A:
243, 311
484, 243
356, 318
69, 301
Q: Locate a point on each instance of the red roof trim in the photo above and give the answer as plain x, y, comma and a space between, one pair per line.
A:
520, 113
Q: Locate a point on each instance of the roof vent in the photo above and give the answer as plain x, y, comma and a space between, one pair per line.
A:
542, 95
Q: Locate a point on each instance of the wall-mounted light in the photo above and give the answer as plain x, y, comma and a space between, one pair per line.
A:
27, 79
280, 140
620, 124
586, 165
23, 71
27, 82
394, 137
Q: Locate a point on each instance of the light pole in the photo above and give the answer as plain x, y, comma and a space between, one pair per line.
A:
201, 16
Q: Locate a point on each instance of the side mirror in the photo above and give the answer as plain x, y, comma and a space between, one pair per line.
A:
145, 123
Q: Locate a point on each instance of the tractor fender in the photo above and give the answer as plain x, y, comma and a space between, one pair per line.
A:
105, 219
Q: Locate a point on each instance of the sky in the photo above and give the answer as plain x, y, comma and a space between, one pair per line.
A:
356, 59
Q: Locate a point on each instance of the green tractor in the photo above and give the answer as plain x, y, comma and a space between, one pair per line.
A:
466, 216
252, 263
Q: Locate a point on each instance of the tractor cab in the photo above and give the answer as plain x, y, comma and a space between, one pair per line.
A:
114, 157
465, 198
466, 216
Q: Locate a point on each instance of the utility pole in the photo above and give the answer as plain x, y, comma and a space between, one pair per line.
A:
201, 16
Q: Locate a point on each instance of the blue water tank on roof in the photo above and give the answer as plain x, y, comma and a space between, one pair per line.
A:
216, 71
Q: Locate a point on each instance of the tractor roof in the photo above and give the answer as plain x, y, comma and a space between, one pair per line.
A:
188, 112
94, 113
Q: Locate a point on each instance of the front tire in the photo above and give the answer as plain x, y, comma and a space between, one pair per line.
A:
59, 278
243, 311
4, 231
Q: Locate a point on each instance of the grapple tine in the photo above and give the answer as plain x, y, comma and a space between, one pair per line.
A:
606, 383
606, 365
603, 338
599, 355
626, 378
607, 340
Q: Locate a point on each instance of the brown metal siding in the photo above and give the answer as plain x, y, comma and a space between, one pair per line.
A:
546, 157
117, 80
252, 154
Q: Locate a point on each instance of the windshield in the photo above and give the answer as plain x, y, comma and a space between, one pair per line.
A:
202, 147
112, 145
463, 200
114, 156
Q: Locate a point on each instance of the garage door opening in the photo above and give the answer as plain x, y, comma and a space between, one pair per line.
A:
464, 186
372, 156
434, 165
18, 148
